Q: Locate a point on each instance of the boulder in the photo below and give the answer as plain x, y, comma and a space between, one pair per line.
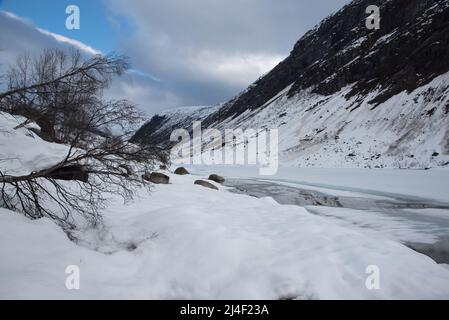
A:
163, 167
156, 177
205, 184
73, 172
216, 178
181, 171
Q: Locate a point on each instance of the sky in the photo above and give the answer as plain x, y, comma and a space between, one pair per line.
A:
183, 52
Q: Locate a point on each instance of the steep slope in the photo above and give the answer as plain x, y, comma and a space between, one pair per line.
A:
350, 96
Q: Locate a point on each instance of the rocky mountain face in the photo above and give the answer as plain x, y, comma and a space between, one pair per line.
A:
348, 95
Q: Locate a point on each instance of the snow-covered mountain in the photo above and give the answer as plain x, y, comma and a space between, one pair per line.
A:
348, 96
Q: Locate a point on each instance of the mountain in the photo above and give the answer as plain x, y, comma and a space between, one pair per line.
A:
348, 96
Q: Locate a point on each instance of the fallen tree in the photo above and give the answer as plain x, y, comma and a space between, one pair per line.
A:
94, 165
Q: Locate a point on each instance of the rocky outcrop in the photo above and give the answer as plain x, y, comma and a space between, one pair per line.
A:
216, 178
205, 184
181, 171
156, 178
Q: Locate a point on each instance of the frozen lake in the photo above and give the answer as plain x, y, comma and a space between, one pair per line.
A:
421, 224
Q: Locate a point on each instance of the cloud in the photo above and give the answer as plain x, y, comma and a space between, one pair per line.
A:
194, 52
150, 95
72, 42
18, 36
209, 50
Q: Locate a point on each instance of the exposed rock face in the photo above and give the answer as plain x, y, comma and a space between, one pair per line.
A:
205, 184
343, 84
157, 178
181, 171
217, 178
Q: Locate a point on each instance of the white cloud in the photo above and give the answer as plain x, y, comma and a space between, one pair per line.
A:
208, 51
75, 43
147, 93
239, 69
18, 35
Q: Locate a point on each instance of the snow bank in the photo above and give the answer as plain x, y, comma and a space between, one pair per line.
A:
22, 151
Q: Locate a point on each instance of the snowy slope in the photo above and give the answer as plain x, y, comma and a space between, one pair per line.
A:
410, 130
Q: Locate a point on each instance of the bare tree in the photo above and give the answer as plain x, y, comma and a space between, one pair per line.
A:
56, 88
65, 92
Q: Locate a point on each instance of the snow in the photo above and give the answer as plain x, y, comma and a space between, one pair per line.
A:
385, 39
196, 243
22, 151
184, 241
389, 226
438, 213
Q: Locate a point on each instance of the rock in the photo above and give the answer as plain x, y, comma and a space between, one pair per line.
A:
205, 184
74, 172
146, 176
216, 178
181, 171
156, 177
435, 154
163, 167
127, 171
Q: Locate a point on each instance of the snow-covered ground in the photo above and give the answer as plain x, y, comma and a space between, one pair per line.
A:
184, 241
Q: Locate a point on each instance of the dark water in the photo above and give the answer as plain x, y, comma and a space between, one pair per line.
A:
394, 206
